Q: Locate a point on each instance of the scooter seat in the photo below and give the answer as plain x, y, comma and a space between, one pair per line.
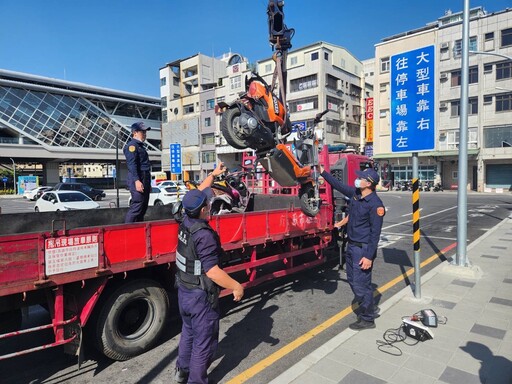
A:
283, 167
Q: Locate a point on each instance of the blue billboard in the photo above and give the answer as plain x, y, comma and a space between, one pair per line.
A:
413, 100
175, 153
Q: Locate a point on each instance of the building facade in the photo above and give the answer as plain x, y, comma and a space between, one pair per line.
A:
490, 101
49, 122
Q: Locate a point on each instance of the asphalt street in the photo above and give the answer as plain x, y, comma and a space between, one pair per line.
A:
279, 323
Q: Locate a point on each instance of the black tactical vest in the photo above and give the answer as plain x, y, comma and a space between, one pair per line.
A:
190, 272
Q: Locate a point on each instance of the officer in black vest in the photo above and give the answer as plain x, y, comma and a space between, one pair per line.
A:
139, 173
199, 279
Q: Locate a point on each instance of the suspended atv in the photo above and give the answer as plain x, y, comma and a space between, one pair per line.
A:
258, 120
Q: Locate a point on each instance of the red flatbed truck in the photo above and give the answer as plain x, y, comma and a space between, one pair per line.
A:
109, 284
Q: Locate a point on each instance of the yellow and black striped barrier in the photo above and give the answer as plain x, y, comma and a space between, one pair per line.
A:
416, 214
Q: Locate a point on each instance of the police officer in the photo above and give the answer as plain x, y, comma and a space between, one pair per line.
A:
363, 231
199, 279
139, 173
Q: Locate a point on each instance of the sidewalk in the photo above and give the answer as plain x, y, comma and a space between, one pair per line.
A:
474, 346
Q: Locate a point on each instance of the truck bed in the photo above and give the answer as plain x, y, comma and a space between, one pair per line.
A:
42, 259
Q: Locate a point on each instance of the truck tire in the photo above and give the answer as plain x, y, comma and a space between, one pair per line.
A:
228, 127
131, 319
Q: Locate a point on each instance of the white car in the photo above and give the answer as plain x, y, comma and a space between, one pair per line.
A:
64, 201
162, 196
35, 193
173, 184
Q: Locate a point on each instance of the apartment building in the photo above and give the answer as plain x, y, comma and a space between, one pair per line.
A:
490, 101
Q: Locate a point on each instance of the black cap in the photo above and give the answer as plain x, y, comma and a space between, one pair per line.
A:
140, 127
194, 200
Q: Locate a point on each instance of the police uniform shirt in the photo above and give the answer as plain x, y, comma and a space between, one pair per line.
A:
137, 159
205, 244
366, 215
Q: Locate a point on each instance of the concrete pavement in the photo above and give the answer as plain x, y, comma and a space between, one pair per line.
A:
474, 346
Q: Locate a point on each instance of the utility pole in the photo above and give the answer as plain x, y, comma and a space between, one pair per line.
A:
14, 175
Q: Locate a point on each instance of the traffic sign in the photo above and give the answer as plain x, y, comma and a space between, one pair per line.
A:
175, 153
299, 126
4, 179
413, 100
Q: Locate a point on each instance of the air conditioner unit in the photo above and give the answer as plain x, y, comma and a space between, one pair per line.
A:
443, 76
443, 105
445, 45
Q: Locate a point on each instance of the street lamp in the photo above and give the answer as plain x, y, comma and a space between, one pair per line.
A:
14, 174
491, 54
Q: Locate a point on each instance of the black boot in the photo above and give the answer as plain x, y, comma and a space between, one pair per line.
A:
180, 375
361, 324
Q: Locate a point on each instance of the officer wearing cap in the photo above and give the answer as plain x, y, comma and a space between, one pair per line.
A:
139, 173
199, 279
363, 230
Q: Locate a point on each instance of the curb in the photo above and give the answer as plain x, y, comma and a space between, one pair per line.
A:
314, 357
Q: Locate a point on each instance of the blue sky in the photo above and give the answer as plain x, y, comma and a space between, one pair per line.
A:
121, 44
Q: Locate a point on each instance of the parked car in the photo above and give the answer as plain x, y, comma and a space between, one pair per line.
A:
162, 196
180, 186
52, 201
93, 193
35, 193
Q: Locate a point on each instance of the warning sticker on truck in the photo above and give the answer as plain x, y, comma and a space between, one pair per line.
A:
70, 253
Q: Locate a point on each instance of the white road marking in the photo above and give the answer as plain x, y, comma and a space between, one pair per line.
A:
422, 236
424, 217
407, 214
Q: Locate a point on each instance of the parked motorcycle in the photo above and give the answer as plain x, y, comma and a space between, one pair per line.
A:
438, 188
230, 194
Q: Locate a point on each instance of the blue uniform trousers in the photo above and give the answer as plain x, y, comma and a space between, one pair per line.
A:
199, 334
139, 201
360, 280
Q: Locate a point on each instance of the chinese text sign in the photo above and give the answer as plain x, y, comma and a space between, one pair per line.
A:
412, 100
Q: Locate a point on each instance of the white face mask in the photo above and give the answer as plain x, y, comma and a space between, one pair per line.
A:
357, 183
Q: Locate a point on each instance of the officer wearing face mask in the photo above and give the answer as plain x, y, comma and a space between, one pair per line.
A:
363, 230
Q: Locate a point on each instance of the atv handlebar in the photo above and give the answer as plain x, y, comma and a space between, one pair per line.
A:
319, 116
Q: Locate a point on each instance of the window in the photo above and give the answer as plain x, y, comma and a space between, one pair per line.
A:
210, 104
293, 60
383, 87
175, 81
305, 104
188, 109
163, 81
487, 68
472, 107
268, 68
164, 116
455, 175
333, 104
236, 82
506, 37
504, 70
487, 99
452, 139
331, 82
472, 77
489, 36
498, 137
504, 102
457, 47
208, 122
384, 65
208, 139
314, 56
326, 56
208, 157
163, 102
302, 83
333, 126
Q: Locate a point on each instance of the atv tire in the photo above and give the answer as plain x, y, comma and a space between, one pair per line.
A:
308, 203
228, 126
